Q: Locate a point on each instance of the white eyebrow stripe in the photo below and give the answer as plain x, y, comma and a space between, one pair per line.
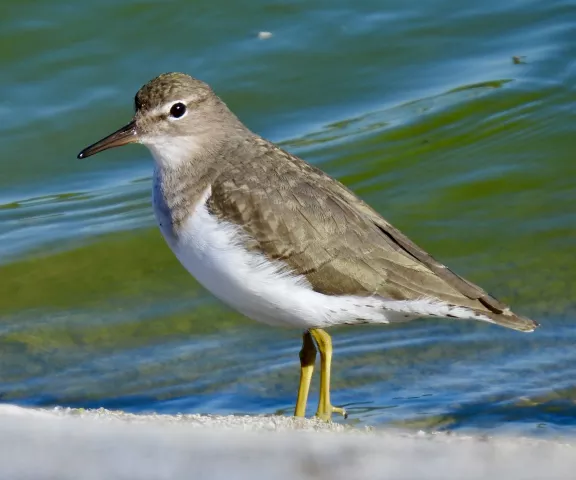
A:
165, 109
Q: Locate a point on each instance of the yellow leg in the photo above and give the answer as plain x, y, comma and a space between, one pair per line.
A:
325, 408
307, 360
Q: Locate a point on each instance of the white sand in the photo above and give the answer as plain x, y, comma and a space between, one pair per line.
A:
87, 445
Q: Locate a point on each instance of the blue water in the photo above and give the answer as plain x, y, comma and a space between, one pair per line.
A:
420, 109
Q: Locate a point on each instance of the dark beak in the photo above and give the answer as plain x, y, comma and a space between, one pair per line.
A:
123, 136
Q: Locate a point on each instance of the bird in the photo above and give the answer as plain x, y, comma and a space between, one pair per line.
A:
280, 240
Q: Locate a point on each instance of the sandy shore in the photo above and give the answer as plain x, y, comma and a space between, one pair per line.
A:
100, 444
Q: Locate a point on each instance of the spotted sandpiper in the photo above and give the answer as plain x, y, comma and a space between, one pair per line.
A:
278, 239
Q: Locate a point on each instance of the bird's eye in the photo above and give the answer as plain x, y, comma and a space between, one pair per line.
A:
177, 110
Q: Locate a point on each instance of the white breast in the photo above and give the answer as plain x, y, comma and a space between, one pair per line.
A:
213, 252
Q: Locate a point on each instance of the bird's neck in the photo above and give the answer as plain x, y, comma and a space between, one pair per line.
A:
183, 172
177, 187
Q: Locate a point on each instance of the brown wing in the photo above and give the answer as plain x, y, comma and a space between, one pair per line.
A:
298, 214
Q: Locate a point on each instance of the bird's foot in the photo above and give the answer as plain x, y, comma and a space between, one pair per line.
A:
326, 413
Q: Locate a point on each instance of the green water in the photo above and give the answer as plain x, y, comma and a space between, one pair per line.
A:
418, 107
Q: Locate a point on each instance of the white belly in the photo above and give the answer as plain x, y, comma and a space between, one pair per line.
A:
213, 252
